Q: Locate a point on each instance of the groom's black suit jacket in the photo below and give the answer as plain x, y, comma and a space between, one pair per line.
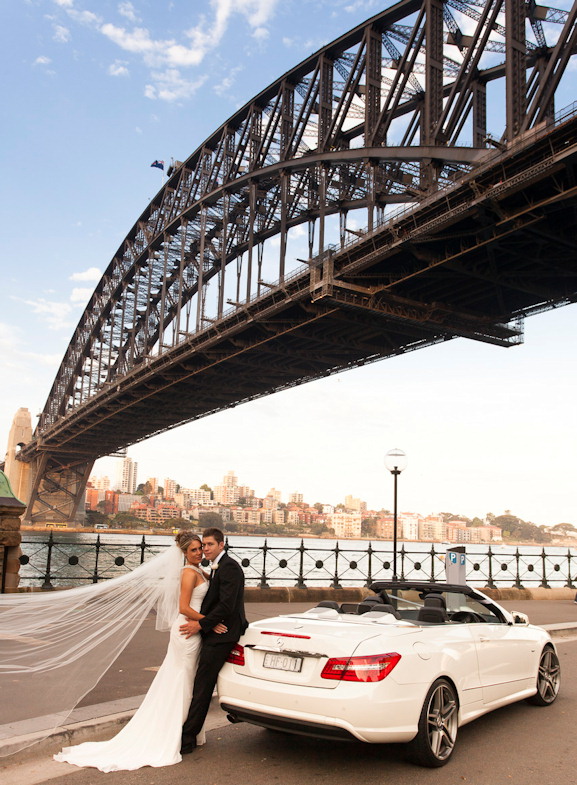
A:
224, 602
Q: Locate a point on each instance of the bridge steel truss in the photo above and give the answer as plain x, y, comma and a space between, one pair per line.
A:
206, 305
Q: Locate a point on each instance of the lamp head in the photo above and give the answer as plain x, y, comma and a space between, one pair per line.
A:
396, 461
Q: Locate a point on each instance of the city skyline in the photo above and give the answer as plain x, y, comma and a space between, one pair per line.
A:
282, 495
485, 429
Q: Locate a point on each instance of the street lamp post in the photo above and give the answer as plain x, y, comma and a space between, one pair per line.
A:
396, 462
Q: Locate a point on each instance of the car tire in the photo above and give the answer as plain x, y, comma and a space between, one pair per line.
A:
548, 678
435, 740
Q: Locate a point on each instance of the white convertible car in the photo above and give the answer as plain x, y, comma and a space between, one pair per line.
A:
409, 664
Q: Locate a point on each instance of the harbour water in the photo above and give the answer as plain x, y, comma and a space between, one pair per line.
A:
63, 558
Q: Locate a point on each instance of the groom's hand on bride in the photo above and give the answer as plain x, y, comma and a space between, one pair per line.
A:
220, 628
189, 629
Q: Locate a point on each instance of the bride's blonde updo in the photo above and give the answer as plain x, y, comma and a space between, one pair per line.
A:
184, 538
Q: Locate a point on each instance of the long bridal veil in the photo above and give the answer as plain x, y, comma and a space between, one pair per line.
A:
56, 646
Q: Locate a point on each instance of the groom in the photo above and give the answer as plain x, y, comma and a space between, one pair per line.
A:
223, 603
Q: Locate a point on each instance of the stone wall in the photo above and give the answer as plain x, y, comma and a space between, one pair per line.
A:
11, 510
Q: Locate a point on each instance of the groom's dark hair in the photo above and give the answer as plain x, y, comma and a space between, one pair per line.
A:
216, 533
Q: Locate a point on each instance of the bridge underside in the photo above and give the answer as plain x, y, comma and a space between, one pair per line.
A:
470, 263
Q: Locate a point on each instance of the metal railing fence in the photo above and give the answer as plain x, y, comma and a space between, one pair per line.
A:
54, 562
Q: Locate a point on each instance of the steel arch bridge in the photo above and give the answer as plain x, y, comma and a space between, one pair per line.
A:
432, 125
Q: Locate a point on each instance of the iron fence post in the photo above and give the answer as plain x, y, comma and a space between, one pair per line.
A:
370, 566
433, 555
142, 547
47, 585
300, 584
518, 583
544, 583
336, 584
95, 574
263, 583
402, 576
490, 582
569, 583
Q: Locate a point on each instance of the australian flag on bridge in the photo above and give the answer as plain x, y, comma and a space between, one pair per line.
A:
158, 164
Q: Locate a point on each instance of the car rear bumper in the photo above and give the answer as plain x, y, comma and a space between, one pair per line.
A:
372, 713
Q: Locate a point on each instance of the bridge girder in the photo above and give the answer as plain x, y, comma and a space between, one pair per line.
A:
393, 112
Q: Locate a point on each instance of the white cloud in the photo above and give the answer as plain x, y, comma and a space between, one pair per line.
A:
261, 34
80, 295
118, 68
53, 313
167, 56
127, 10
61, 34
85, 17
91, 274
228, 81
42, 60
170, 86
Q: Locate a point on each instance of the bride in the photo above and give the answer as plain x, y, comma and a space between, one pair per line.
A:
153, 735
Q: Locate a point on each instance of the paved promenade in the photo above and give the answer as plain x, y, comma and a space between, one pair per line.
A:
114, 700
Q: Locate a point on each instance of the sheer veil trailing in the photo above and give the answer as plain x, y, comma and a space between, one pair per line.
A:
56, 646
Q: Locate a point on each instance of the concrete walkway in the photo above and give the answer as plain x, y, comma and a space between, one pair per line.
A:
115, 699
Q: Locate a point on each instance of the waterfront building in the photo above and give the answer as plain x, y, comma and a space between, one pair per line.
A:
296, 498
409, 525
346, 524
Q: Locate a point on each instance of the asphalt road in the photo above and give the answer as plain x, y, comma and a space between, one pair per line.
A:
518, 745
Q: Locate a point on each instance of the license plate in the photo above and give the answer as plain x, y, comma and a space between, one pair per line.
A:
282, 662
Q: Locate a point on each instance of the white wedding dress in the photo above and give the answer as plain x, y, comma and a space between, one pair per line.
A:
153, 735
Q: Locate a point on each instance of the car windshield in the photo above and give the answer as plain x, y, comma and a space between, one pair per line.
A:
409, 602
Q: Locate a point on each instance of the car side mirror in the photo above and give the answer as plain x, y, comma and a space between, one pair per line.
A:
519, 618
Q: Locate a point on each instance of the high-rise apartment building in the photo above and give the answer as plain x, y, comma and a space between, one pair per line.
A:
169, 488
128, 480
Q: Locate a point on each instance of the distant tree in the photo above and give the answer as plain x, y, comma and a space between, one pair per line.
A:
231, 526
340, 507
96, 516
490, 517
205, 487
318, 506
140, 489
209, 520
475, 522
369, 527
146, 488
126, 520
563, 527
183, 523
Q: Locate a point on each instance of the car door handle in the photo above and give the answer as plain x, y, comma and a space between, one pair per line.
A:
482, 639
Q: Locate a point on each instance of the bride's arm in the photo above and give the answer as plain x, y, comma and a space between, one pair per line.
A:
189, 580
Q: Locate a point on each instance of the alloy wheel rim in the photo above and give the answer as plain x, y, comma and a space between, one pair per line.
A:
442, 722
549, 673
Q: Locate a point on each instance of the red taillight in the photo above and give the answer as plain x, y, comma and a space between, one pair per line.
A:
372, 668
236, 656
285, 635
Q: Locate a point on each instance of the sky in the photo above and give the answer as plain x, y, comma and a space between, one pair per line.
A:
96, 92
